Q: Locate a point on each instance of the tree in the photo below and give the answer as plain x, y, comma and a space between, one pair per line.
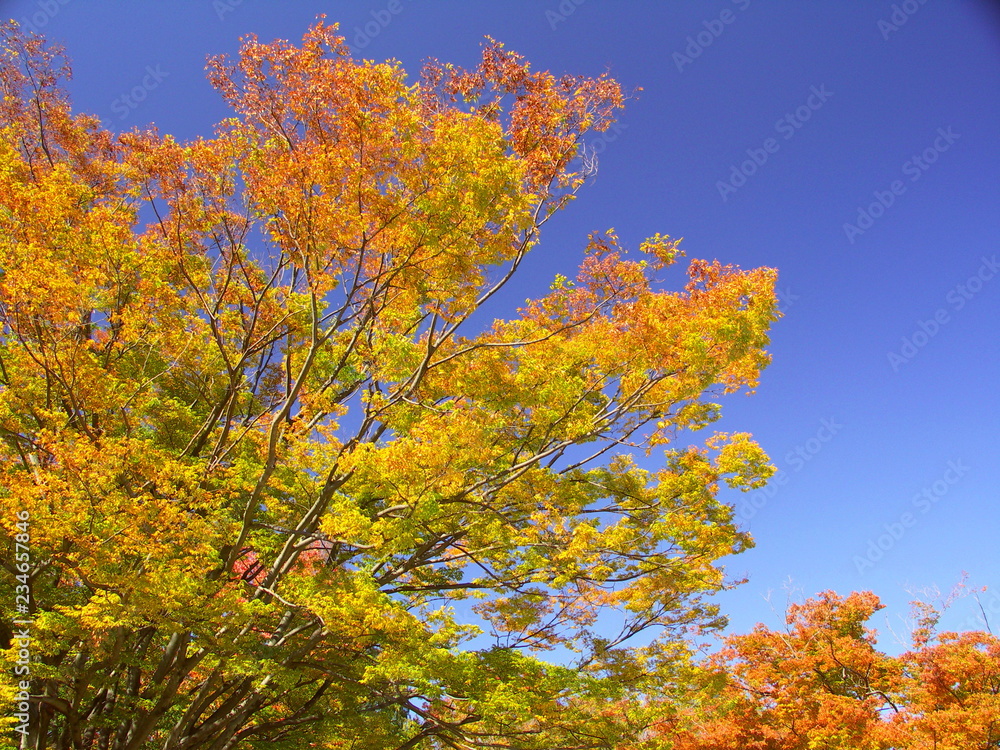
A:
822, 683
278, 464
951, 691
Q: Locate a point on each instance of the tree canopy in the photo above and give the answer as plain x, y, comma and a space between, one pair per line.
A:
823, 683
285, 485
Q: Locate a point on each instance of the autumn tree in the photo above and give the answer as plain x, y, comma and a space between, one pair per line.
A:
819, 683
288, 480
951, 694
822, 682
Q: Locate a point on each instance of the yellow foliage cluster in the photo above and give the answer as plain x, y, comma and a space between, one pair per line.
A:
282, 478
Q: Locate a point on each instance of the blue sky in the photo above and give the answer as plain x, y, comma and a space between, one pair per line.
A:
854, 146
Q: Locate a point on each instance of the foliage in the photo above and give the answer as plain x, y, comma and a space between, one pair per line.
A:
278, 468
822, 683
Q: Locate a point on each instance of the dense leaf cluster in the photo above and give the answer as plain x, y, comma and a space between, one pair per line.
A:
284, 485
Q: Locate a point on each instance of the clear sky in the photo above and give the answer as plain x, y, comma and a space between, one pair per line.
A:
854, 146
